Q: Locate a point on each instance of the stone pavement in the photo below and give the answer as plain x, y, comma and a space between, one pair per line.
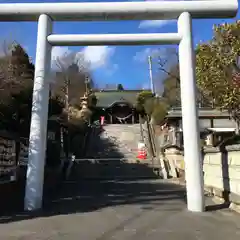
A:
116, 141
105, 210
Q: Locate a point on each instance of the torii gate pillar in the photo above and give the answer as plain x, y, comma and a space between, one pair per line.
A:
39, 120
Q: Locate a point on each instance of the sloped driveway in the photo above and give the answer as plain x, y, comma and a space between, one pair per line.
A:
104, 210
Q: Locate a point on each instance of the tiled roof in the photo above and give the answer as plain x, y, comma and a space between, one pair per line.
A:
108, 98
177, 113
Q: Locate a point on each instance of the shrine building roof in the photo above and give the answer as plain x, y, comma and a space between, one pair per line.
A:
108, 98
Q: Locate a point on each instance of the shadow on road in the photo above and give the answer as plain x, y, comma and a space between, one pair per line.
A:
92, 195
94, 185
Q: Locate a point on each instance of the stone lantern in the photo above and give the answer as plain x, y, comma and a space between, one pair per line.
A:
84, 106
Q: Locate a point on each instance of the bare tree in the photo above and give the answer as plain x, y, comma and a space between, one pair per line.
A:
63, 63
168, 68
73, 78
166, 61
69, 84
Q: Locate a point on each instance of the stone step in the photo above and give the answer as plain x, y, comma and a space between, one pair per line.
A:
116, 141
112, 169
113, 160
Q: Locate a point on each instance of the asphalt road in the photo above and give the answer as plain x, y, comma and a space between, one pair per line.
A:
136, 210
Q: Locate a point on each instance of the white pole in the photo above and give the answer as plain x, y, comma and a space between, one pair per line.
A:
113, 39
39, 119
192, 154
150, 74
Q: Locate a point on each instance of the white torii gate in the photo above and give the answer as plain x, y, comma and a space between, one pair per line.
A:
46, 13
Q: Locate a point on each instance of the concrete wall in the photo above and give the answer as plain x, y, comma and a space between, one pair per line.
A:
222, 172
221, 169
175, 161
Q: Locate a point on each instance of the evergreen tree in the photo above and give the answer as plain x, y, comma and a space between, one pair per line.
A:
120, 87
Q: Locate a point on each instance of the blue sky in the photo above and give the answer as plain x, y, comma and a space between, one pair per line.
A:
121, 64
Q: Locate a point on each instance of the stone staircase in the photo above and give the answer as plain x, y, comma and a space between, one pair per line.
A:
112, 154
115, 141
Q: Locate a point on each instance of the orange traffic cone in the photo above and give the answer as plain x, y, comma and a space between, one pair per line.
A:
143, 154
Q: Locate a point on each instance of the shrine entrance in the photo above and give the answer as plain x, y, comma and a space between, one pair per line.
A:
46, 13
117, 107
122, 113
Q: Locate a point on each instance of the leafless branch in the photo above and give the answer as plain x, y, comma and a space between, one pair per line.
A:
165, 65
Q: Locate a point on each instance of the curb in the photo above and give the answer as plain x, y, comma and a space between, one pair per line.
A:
234, 207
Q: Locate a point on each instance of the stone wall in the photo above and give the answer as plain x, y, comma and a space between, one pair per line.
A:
174, 158
222, 172
221, 169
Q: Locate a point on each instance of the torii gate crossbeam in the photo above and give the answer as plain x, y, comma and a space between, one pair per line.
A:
46, 13
102, 11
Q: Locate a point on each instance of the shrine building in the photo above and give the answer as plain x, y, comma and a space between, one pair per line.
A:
117, 106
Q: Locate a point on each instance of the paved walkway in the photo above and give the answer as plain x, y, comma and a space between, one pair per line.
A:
136, 210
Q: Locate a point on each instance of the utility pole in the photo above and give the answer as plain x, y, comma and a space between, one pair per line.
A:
86, 84
150, 74
67, 82
67, 95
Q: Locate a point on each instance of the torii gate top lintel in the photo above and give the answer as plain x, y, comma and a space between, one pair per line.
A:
97, 11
